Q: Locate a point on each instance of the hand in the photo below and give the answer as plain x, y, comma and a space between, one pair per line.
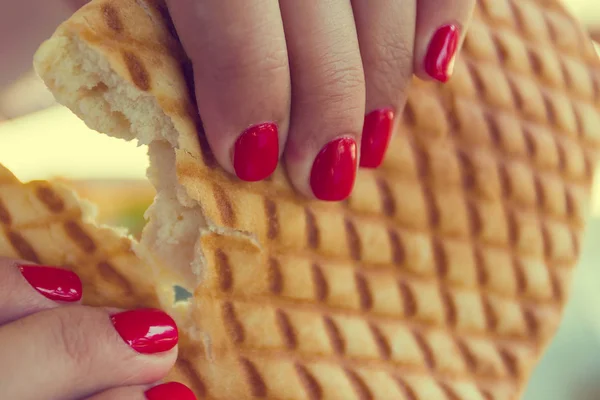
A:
295, 79
52, 347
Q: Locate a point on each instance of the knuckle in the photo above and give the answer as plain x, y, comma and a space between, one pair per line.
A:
11, 291
84, 340
264, 62
390, 64
340, 88
390, 53
345, 78
274, 62
335, 92
71, 337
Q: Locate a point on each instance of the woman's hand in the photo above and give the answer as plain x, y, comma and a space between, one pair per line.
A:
296, 78
52, 347
316, 83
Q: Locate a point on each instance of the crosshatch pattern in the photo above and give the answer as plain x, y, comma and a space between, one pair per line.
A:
44, 223
443, 277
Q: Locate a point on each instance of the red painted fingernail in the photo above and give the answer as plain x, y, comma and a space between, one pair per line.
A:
334, 170
256, 152
55, 283
170, 391
439, 62
147, 331
377, 132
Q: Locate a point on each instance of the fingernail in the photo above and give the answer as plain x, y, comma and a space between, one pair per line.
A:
55, 283
439, 62
377, 132
147, 331
170, 391
334, 170
256, 152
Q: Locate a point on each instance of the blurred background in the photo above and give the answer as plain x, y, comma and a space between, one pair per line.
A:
40, 140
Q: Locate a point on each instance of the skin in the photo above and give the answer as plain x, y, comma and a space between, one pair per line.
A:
78, 354
314, 68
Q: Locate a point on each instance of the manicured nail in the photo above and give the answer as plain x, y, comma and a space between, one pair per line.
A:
55, 283
170, 391
376, 135
334, 170
256, 152
147, 331
439, 61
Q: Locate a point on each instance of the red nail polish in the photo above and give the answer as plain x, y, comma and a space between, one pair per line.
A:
170, 391
55, 283
147, 331
334, 170
256, 152
439, 61
377, 132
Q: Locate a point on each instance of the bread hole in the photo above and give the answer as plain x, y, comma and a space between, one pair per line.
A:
181, 294
118, 121
121, 120
95, 91
99, 88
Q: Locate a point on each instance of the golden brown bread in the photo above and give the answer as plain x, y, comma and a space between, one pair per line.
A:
444, 275
46, 223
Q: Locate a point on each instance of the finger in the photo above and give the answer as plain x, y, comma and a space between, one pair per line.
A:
328, 97
26, 289
242, 79
73, 352
165, 391
386, 32
440, 32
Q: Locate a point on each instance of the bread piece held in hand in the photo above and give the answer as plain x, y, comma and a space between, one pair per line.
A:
443, 276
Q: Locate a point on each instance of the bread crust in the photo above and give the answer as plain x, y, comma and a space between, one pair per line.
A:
444, 275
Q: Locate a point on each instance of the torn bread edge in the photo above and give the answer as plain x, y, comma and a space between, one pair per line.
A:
83, 79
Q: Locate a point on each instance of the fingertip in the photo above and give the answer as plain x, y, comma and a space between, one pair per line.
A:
256, 152
147, 331
441, 52
376, 136
57, 284
333, 172
170, 390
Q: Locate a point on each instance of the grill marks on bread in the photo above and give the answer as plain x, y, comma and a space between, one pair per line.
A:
62, 214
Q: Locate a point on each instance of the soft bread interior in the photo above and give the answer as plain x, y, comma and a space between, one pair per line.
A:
175, 221
83, 81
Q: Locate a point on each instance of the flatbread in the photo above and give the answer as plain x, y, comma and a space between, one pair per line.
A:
445, 274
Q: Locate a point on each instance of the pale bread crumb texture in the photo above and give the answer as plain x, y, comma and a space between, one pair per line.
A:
443, 277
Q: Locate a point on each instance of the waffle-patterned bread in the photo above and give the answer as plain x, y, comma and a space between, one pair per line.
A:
46, 223
442, 278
